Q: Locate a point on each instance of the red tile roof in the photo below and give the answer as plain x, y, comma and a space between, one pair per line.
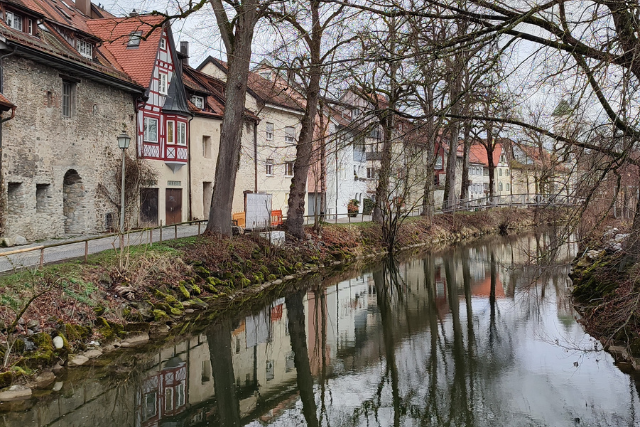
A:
276, 92
211, 89
478, 154
137, 62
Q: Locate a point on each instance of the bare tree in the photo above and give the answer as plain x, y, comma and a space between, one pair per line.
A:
237, 34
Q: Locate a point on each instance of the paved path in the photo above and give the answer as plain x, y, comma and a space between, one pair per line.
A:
76, 250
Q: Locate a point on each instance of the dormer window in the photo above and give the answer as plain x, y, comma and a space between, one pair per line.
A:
134, 39
355, 113
31, 29
198, 101
265, 75
163, 43
85, 49
14, 21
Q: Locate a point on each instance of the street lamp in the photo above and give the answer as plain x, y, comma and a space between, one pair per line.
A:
123, 144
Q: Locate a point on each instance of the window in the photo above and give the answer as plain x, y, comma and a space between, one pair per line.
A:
439, 162
31, 26
499, 172
85, 49
369, 173
171, 132
269, 133
508, 186
163, 43
206, 147
206, 371
42, 194
269, 370
198, 101
506, 172
14, 21
182, 133
288, 169
149, 409
499, 186
265, 75
269, 167
68, 98
150, 129
290, 134
180, 395
134, 39
355, 113
162, 83
168, 399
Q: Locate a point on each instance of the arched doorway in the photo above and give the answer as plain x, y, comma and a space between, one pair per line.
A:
72, 197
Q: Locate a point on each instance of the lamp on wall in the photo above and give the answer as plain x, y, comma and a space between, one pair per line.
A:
123, 144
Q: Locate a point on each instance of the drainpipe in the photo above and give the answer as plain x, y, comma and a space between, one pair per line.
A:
189, 172
255, 155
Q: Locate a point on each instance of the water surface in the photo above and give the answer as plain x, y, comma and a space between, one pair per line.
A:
475, 336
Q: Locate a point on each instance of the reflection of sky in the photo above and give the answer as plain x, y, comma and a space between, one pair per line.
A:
517, 376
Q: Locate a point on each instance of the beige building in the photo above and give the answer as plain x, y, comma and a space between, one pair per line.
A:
206, 101
276, 135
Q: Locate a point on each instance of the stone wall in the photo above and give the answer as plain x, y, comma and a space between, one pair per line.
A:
59, 172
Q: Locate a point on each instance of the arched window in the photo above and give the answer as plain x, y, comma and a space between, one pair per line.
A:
499, 186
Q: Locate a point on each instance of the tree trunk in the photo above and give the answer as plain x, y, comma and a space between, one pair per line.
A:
219, 340
304, 149
239, 59
464, 187
295, 315
449, 199
382, 190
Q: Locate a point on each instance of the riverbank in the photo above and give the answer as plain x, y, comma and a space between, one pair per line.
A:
605, 294
148, 292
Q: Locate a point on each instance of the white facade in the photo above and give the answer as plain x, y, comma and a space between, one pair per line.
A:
346, 173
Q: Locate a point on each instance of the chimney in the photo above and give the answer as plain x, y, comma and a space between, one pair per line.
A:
184, 50
84, 6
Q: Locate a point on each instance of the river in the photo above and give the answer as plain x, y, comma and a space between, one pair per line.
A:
473, 336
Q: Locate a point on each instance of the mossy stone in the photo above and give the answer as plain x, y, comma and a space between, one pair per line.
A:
159, 315
43, 341
6, 378
264, 270
271, 277
202, 272
184, 293
195, 289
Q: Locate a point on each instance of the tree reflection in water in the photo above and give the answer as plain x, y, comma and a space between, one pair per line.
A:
461, 338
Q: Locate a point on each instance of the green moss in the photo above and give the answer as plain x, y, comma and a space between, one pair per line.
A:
76, 332
6, 378
43, 341
258, 278
264, 270
37, 359
159, 315
109, 330
99, 310
176, 311
137, 327
248, 265
297, 266
184, 293
196, 290
202, 272
271, 277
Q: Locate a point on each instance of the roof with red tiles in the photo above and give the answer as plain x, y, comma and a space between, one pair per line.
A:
276, 92
478, 154
138, 62
61, 24
211, 89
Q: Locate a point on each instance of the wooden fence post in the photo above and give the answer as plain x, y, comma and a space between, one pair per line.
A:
86, 250
160, 231
41, 257
175, 231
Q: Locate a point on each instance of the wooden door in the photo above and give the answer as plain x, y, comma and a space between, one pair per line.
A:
149, 206
173, 205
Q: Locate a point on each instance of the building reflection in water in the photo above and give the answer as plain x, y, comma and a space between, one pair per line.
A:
439, 340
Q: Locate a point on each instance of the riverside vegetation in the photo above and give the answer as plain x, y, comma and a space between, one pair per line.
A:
119, 299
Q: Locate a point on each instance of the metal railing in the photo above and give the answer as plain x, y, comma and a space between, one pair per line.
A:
146, 235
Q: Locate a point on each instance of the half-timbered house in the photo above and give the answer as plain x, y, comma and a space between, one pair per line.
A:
144, 47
